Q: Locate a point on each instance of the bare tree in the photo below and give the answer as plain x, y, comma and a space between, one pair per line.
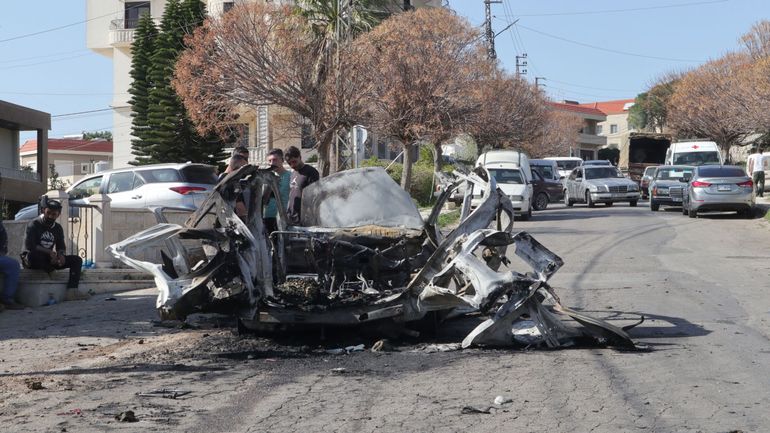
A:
757, 40
423, 67
560, 134
260, 54
707, 103
512, 114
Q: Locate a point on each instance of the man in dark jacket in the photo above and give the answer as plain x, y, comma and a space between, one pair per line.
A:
301, 176
44, 245
10, 269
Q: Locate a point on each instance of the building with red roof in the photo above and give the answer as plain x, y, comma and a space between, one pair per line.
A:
588, 141
72, 158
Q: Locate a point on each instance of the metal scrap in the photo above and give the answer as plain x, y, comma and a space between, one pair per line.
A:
362, 253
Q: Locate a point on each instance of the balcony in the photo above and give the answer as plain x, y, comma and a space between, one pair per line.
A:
592, 140
122, 31
14, 173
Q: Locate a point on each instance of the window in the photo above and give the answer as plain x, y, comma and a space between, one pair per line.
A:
86, 188
598, 129
613, 129
160, 175
120, 182
506, 176
64, 167
135, 11
85, 168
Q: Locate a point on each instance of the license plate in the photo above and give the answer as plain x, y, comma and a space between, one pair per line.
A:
723, 188
676, 199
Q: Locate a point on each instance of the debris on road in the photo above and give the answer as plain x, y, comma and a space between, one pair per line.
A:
339, 370
500, 400
475, 410
361, 253
164, 393
382, 346
34, 385
346, 350
127, 416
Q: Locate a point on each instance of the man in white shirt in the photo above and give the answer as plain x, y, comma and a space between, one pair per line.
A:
758, 174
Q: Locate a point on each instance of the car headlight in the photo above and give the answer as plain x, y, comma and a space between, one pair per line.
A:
633, 187
515, 198
600, 188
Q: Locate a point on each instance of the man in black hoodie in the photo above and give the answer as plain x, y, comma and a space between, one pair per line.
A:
44, 245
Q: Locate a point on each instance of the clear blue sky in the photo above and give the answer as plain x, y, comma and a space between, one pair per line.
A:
54, 72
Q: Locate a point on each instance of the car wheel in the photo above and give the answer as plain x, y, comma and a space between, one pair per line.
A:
654, 206
684, 210
567, 200
746, 213
526, 216
608, 204
541, 201
589, 201
632, 203
692, 213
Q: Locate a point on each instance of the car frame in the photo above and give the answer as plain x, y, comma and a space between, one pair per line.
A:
545, 191
605, 189
706, 192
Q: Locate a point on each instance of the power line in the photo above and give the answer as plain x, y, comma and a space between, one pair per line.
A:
45, 56
592, 88
44, 63
87, 112
609, 50
3, 92
625, 10
53, 29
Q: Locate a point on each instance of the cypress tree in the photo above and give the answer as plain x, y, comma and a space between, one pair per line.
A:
142, 51
170, 130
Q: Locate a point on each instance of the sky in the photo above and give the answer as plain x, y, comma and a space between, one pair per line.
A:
590, 50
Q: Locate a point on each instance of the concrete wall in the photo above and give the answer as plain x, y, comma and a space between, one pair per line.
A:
9, 148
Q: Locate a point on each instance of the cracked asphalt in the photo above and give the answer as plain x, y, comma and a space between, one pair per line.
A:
701, 283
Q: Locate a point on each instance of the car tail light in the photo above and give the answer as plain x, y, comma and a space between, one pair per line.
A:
184, 190
747, 184
700, 184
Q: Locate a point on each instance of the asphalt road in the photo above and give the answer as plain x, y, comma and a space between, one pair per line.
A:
701, 283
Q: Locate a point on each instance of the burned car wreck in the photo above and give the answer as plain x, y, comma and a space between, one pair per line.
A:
362, 253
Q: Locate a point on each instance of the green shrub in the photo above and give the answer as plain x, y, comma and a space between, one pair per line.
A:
312, 158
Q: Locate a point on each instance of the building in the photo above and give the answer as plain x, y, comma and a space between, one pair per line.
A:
72, 158
19, 186
110, 26
588, 142
616, 127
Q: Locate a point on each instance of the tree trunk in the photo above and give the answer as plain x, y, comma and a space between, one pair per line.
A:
324, 150
438, 158
406, 174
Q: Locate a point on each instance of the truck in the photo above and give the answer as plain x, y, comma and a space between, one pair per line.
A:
640, 150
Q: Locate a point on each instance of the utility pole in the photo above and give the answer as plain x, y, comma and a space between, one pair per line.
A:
521, 63
537, 82
488, 33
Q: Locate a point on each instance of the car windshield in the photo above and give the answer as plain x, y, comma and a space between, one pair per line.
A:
602, 172
721, 172
567, 165
696, 158
506, 175
672, 173
649, 170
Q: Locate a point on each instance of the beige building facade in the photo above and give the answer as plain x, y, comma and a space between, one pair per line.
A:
72, 158
589, 142
110, 28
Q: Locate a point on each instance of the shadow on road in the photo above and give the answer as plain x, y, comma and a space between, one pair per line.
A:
654, 326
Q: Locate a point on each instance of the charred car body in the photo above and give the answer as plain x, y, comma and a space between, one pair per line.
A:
362, 253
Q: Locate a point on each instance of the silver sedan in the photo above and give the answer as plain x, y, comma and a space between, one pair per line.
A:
599, 184
719, 188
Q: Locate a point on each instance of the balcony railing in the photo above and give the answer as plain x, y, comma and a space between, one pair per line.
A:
13, 173
122, 31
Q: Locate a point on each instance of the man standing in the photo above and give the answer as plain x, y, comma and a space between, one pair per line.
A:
758, 174
302, 176
44, 245
275, 159
10, 269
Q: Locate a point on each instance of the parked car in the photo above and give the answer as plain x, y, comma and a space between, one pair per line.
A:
644, 183
512, 180
547, 168
718, 188
173, 185
545, 191
597, 162
694, 153
666, 188
566, 164
599, 184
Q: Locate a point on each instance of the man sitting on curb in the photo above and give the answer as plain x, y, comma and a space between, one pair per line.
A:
10, 269
44, 247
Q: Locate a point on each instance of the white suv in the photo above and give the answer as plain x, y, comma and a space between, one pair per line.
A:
173, 185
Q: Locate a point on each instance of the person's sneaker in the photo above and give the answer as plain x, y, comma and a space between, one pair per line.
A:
13, 306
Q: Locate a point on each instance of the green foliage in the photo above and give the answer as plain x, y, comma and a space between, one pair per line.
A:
637, 116
448, 218
169, 135
54, 183
312, 158
141, 62
93, 135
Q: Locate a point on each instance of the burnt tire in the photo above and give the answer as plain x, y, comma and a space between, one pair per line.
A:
541, 201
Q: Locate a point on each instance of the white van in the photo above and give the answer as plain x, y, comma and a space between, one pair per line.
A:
513, 175
566, 164
693, 153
